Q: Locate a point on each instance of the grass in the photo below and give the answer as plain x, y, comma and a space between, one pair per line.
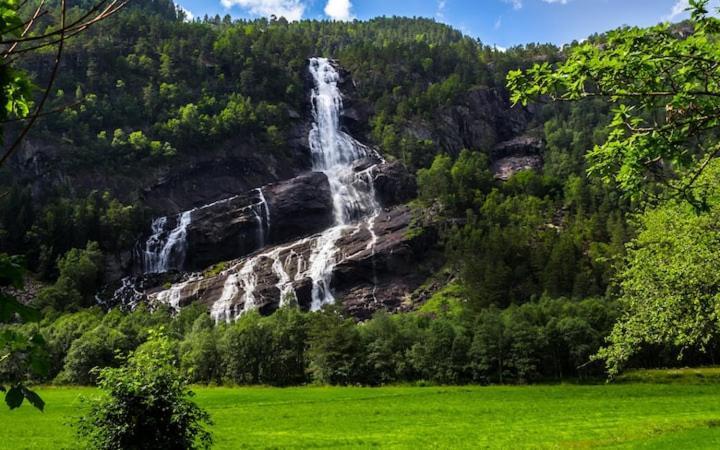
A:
652, 416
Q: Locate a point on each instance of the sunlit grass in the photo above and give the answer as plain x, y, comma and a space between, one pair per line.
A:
564, 416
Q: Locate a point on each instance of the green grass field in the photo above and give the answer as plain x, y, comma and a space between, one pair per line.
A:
672, 416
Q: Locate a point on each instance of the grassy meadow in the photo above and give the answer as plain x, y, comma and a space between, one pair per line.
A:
672, 416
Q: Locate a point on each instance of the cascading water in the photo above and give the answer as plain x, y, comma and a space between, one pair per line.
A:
334, 153
163, 253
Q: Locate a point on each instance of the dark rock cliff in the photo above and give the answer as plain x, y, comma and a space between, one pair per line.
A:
367, 278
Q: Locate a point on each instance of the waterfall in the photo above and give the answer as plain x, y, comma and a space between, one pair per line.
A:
262, 217
165, 252
333, 150
335, 153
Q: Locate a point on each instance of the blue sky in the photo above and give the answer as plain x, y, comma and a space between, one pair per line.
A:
499, 22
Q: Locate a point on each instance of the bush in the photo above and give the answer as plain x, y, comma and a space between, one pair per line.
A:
147, 405
96, 348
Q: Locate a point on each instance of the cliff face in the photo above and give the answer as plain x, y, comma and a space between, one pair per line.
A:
366, 279
187, 181
264, 220
478, 121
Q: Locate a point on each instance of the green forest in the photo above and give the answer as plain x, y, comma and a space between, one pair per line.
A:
600, 260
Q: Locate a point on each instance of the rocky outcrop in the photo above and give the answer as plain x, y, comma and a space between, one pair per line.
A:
241, 225
299, 207
274, 214
515, 155
371, 274
382, 277
394, 185
478, 121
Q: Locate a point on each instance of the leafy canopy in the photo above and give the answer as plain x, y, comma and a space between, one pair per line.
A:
23, 352
670, 285
665, 84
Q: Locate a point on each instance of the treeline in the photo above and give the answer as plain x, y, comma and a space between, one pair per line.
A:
531, 236
46, 234
147, 85
551, 339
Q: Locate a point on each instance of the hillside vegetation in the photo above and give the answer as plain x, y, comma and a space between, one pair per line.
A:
536, 271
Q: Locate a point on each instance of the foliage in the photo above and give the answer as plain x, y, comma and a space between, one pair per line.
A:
47, 234
79, 280
15, 85
670, 287
457, 185
663, 82
22, 355
147, 405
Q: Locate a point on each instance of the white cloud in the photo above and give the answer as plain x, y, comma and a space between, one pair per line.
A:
498, 23
440, 12
678, 9
339, 9
292, 10
518, 4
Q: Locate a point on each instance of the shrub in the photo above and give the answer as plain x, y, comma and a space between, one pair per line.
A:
147, 405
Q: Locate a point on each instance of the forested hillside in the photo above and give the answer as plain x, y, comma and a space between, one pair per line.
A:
510, 251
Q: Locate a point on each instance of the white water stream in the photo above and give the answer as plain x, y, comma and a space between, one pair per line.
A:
334, 153
165, 250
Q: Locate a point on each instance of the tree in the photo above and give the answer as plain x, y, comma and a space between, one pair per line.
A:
20, 38
147, 405
199, 355
335, 354
79, 279
665, 83
670, 284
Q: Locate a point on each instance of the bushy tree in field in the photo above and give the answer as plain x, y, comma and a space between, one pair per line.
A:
670, 284
146, 405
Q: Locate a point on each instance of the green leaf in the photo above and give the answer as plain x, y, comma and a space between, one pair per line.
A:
34, 399
14, 397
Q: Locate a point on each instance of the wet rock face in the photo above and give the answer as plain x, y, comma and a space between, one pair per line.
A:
394, 185
275, 214
381, 277
367, 277
239, 226
299, 207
